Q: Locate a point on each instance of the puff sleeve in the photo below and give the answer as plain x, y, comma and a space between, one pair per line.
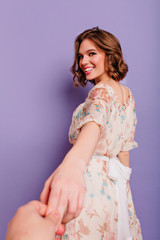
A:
129, 143
95, 109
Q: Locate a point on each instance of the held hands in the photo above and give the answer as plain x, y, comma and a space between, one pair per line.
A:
29, 223
64, 190
64, 193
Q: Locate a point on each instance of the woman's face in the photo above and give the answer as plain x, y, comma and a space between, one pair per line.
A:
92, 61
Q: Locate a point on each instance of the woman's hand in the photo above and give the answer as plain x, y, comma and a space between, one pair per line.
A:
64, 191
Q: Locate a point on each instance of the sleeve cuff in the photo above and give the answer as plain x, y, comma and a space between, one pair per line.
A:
129, 146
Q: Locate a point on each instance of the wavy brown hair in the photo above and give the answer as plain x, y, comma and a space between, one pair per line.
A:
115, 64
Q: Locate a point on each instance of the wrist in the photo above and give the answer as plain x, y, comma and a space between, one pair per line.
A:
72, 160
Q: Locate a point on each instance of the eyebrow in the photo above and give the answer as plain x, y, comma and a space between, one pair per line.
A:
89, 50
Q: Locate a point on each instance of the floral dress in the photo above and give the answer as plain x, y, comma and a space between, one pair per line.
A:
100, 216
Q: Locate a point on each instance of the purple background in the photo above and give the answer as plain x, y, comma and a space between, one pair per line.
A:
37, 98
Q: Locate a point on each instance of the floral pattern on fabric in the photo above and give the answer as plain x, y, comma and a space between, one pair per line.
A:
98, 219
117, 123
95, 108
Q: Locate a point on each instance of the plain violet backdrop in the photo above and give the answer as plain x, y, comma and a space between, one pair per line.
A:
37, 97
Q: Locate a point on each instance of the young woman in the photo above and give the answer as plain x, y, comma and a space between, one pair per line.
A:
91, 188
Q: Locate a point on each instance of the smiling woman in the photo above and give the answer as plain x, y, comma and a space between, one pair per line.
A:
91, 187
104, 44
92, 60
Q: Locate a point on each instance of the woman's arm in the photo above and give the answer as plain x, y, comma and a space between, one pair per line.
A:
85, 145
64, 190
124, 157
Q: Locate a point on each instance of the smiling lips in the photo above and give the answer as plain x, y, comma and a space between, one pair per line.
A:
88, 70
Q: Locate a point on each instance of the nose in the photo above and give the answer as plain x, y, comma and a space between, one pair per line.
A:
84, 61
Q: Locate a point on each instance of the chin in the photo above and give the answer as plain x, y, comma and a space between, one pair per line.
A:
89, 78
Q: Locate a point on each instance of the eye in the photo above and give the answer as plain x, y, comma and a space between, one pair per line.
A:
92, 53
80, 57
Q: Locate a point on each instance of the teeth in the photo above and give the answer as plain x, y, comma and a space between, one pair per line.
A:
88, 69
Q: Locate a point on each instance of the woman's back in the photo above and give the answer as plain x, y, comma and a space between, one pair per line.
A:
116, 117
105, 212
121, 92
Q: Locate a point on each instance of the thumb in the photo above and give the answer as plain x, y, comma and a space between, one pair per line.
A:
55, 218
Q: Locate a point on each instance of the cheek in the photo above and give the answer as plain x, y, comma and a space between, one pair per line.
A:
101, 62
104, 63
80, 64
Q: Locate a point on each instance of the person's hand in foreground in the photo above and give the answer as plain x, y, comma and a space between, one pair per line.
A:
29, 223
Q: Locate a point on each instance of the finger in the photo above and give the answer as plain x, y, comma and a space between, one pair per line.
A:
46, 190
72, 207
63, 202
37, 206
80, 201
61, 229
45, 195
54, 217
53, 198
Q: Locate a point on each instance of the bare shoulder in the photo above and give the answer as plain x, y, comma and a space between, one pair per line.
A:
125, 90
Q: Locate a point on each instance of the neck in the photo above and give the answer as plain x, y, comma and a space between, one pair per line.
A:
105, 80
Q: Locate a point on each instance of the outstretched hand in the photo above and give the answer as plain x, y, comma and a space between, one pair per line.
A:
29, 223
64, 191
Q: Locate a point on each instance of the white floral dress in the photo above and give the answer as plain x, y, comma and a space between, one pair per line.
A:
99, 218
